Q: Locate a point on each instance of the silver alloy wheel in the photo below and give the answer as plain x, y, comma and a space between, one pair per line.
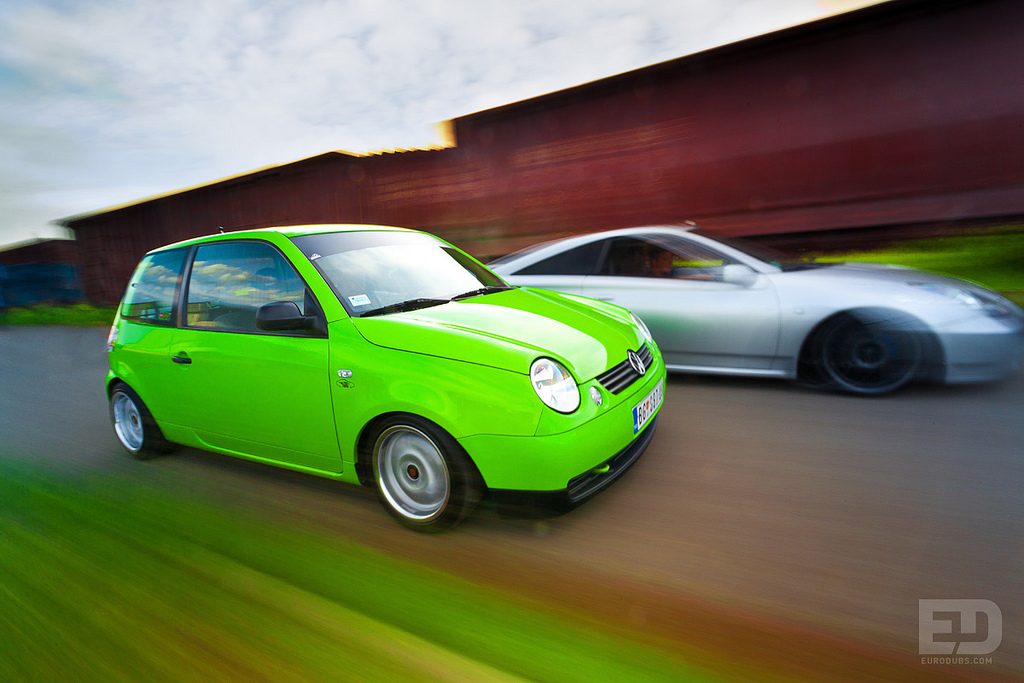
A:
411, 473
128, 422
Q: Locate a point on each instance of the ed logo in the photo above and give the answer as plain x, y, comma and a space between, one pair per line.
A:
959, 627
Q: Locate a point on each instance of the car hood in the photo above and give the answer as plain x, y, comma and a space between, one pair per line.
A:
859, 284
871, 274
511, 329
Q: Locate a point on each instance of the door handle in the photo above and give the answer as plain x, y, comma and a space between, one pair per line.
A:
182, 358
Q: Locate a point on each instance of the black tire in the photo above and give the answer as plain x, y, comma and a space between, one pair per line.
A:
868, 356
139, 434
423, 477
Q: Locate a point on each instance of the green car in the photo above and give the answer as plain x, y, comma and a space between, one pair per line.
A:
384, 357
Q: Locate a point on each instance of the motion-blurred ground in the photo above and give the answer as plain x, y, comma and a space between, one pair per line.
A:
768, 529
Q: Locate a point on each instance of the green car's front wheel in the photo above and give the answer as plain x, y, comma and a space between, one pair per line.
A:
424, 478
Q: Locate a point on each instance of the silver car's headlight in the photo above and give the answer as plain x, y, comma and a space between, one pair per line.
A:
643, 328
555, 385
991, 304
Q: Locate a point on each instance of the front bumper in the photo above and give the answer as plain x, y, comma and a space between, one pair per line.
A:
585, 485
981, 356
563, 462
582, 486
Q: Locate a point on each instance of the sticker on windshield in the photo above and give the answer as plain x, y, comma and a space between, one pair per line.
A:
315, 256
359, 300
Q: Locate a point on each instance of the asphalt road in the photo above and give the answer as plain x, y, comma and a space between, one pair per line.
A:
829, 515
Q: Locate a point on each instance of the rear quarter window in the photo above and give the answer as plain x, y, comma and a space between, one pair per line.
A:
580, 260
153, 290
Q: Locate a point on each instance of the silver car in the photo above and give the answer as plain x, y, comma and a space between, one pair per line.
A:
717, 307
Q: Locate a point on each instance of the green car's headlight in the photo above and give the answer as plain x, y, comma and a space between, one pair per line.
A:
554, 385
643, 328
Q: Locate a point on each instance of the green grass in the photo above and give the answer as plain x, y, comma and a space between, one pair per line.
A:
101, 579
995, 260
76, 315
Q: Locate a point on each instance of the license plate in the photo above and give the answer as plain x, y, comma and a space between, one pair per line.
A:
643, 410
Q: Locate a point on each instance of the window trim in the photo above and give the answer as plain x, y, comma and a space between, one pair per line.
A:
605, 248
182, 303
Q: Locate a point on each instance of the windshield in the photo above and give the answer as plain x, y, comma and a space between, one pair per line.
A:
373, 273
770, 255
521, 252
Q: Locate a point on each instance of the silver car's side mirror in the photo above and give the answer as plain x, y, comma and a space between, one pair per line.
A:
738, 274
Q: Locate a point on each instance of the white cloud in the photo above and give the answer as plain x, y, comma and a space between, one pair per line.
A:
101, 102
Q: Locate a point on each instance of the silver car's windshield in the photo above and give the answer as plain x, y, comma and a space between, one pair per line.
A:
375, 273
520, 253
762, 252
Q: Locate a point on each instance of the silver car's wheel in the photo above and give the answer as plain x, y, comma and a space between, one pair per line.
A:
412, 473
127, 421
869, 358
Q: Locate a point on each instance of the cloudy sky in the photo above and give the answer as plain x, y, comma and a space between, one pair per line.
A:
106, 101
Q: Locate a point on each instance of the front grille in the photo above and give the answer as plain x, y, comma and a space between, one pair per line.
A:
622, 375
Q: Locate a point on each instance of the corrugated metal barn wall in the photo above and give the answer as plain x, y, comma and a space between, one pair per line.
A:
906, 112
315, 191
458, 194
910, 117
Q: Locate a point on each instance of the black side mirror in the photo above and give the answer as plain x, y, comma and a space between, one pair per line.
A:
281, 316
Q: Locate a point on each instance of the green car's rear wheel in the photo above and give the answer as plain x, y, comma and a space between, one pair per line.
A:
134, 425
423, 477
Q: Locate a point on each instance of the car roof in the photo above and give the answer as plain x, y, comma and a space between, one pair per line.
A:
540, 251
286, 231
625, 232
513, 263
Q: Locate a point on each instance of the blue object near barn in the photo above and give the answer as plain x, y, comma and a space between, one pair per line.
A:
41, 271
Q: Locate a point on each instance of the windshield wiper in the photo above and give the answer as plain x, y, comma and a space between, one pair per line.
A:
410, 305
413, 304
482, 290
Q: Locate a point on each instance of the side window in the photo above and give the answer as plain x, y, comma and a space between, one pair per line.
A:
579, 261
692, 261
231, 280
663, 257
153, 290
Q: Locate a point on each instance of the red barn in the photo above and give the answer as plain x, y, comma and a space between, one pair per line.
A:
906, 113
